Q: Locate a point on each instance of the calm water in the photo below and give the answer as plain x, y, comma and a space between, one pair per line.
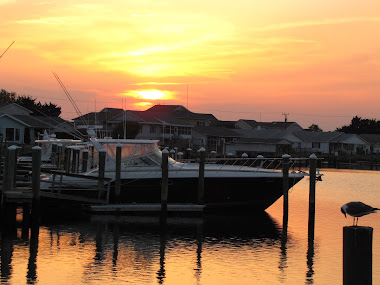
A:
211, 250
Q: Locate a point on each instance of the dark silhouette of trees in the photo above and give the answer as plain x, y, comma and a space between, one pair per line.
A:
314, 128
29, 103
132, 129
361, 126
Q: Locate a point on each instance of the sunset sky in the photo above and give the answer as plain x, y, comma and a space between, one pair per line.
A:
244, 59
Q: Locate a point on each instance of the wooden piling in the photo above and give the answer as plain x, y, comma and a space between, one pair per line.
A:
285, 181
36, 173
357, 255
201, 179
312, 173
9, 169
102, 166
165, 181
84, 160
118, 174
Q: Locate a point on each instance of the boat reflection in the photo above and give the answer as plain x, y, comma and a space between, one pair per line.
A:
127, 245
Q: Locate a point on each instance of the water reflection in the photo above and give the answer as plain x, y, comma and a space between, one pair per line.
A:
310, 248
132, 245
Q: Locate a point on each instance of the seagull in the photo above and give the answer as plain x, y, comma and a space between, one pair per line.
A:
356, 210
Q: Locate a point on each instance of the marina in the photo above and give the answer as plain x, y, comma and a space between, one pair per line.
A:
213, 249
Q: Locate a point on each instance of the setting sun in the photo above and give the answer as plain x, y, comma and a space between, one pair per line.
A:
151, 94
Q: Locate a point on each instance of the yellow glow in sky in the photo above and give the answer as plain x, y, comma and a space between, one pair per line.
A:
243, 59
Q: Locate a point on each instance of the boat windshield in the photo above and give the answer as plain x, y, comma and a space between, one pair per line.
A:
136, 154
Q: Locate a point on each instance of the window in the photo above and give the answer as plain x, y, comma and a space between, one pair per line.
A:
201, 123
152, 129
17, 135
316, 145
10, 134
184, 131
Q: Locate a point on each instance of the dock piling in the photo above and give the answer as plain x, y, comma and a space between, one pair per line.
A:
9, 175
118, 174
312, 173
285, 180
201, 179
357, 255
36, 173
102, 166
164, 183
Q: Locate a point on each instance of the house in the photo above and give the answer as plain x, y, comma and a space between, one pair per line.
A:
18, 126
170, 124
373, 141
349, 144
213, 138
331, 143
263, 142
280, 126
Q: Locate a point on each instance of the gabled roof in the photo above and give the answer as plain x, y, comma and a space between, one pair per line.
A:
216, 131
309, 136
37, 122
269, 125
3, 105
161, 118
344, 137
371, 138
107, 114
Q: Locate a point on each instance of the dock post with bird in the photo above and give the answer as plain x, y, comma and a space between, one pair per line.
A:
357, 245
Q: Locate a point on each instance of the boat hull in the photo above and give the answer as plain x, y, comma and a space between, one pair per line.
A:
256, 193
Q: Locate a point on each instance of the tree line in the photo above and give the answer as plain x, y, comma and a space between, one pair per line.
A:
26, 101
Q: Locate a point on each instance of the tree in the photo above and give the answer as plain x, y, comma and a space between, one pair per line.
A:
132, 129
314, 128
361, 126
7, 97
29, 103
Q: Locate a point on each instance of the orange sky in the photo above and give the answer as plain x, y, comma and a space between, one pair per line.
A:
316, 60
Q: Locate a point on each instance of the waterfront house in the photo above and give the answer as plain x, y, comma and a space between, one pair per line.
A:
264, 142
213, 138
170, 124
279, 126
373, 141
18, 126
330, 143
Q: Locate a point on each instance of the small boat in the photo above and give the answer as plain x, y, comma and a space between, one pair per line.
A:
226, 185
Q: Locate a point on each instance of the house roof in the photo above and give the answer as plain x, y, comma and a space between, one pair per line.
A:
371, 138
216, 131
310, 136
344, 137
37, 121
107, 114
269, 125
3, 105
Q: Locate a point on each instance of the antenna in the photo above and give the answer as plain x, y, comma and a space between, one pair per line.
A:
286, 116
7, 49
70, 98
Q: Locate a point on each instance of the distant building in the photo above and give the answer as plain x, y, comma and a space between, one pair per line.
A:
279, 126
18, 126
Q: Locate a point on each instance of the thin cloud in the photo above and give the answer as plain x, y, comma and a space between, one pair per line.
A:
301, 24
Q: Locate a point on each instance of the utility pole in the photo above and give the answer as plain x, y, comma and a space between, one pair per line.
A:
286, 119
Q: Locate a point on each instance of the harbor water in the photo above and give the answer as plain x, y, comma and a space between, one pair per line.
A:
211, 250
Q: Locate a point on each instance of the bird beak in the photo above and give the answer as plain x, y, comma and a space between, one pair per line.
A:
344, 213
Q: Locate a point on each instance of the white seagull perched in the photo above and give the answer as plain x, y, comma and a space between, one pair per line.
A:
357, 209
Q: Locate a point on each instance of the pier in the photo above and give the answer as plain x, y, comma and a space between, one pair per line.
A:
98, 199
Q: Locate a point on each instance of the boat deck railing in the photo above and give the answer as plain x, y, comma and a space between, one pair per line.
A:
301, 164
